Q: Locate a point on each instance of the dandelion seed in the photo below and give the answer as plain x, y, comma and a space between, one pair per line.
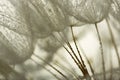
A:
25, 24
42, 16
88, 11
14, 45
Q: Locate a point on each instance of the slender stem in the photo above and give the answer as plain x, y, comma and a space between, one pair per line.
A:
52, 67
79, 66
102, 52
74, 56
84, 66
87, 61
66, 70
69, 45
77, 47
113, 41
68, 62
47, 69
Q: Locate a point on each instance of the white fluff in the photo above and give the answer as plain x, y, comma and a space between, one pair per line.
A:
89, 11
15, 36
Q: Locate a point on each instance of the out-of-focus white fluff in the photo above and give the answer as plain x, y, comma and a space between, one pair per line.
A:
88, 11
16, 42
42, 16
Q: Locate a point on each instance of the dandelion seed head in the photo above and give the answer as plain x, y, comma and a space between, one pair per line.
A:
40, 35
88, 11
42, 16
15, 36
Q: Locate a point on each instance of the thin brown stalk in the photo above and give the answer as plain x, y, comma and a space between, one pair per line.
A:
102, 52
87, 61
66, 70
47, 69
84, 66
52, 67
77, 47
79, 66
69, 45
64, 59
